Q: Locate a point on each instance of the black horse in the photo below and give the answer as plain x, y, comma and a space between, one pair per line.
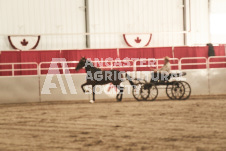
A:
96, 76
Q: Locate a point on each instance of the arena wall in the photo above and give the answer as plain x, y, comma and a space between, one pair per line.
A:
31, 88
56, 93
217, 83
48, 18
139, 16
63, 24
202, 82
19, 89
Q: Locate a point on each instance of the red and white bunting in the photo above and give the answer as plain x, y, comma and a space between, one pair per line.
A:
24, 42
137, 40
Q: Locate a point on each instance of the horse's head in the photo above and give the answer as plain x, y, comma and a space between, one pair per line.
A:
81, 64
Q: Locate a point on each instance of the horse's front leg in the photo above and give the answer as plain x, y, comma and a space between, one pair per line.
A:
93, 89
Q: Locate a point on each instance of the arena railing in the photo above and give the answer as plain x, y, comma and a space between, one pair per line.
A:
190, 59
218, 63
113, 64
151, 63
66, 65
63, 66
156, 63
174, 62
14, 69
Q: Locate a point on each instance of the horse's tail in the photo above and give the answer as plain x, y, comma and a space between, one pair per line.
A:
129, 78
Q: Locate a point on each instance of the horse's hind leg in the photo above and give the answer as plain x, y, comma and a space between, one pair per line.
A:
119, 95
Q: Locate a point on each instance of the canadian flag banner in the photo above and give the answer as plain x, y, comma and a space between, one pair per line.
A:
24, 42
137, 40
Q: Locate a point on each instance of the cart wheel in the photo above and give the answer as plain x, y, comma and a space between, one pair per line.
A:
187, 90
149, 92
178, 90
145, 91
169, 92
136, 91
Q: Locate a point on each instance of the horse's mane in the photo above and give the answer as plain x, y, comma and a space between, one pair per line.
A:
92, 66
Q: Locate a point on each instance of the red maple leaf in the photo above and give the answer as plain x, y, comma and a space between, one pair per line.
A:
138, 40
24, 42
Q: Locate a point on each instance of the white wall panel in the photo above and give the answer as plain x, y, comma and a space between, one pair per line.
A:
199, 34
28, 88
217, 82
217, 21
56, 93
135, 16
54, 17
19, 89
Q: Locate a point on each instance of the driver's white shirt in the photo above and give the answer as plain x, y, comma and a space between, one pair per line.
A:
166, 67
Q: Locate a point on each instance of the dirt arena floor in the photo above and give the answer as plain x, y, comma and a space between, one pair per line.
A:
196, 124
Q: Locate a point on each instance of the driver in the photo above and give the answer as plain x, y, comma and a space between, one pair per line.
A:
164, 70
